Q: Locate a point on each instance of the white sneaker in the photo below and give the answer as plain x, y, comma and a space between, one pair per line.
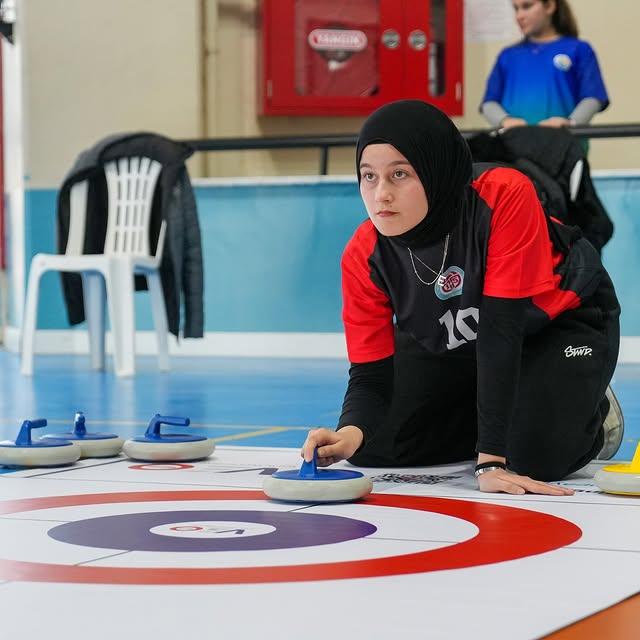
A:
613, 428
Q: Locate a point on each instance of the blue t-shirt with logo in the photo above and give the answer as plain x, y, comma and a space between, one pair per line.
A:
538, 80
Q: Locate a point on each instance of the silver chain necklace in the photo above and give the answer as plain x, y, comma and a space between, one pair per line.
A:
439, 273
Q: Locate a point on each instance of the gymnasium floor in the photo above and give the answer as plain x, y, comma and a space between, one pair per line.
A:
426, 556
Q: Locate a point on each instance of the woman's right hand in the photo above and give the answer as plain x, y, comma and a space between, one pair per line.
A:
509, 123
332, 446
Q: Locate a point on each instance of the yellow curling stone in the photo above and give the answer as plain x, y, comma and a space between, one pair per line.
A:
621, 479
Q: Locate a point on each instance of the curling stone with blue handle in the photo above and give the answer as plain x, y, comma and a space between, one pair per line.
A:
623, 479
41, 452
92, 445
154, 446
311, 484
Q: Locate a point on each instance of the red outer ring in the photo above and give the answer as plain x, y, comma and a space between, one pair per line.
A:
505, 533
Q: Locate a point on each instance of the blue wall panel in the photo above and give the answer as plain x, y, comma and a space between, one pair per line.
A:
272, 254
621, 197
40, 234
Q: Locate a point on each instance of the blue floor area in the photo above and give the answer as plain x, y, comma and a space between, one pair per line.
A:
224, 397
238, 401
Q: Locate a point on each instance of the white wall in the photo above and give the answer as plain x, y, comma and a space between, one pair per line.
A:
93, 68
15, 135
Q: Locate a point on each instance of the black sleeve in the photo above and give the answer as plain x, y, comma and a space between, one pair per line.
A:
499, 350
368, 396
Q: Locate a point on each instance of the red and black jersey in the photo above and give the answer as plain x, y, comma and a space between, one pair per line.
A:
501, 248
508, 272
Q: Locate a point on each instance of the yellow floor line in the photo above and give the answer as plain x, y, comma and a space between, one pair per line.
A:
250, 434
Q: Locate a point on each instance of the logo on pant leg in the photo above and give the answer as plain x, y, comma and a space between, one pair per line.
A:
573, 352
450, 283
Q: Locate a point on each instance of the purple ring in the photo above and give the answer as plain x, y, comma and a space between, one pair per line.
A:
131, 531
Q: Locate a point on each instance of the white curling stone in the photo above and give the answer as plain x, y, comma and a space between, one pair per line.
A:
627, 483
39, 456
169, 451
103, 448
317, 490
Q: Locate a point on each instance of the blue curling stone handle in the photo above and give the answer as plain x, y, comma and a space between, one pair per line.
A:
43, 443
80, 432
310, 471
169, 438
72, 435
153, 435
24, 441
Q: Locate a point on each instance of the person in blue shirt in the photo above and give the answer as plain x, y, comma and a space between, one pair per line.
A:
550, 78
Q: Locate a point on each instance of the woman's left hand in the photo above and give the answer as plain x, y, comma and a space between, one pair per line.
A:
555, 122
502, 481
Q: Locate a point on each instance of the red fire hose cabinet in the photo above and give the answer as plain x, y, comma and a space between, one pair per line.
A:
347, 57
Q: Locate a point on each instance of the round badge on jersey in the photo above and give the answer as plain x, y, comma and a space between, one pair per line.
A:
450, 283
562, 61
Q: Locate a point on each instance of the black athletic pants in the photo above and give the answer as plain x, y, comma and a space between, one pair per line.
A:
560, 408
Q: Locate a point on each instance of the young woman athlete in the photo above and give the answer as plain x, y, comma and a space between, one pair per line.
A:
475, 324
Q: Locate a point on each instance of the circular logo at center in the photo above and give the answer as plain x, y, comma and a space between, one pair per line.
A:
212, 529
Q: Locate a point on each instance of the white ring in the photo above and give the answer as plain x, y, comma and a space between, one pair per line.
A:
100, 447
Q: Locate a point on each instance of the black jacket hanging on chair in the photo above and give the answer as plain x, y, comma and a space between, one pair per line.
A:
548, 156
181, 269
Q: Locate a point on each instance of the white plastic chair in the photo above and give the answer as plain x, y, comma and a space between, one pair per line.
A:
131, 184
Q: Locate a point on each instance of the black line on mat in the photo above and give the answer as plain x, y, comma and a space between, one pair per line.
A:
572, 547
36, 520
213, 487
306, 506
84, 466
111, 555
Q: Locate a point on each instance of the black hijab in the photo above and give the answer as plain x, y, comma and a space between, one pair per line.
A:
432, 144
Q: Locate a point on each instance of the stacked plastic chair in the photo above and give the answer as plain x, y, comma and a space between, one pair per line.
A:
109, 277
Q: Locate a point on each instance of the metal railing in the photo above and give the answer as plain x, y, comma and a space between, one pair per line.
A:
325, 142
